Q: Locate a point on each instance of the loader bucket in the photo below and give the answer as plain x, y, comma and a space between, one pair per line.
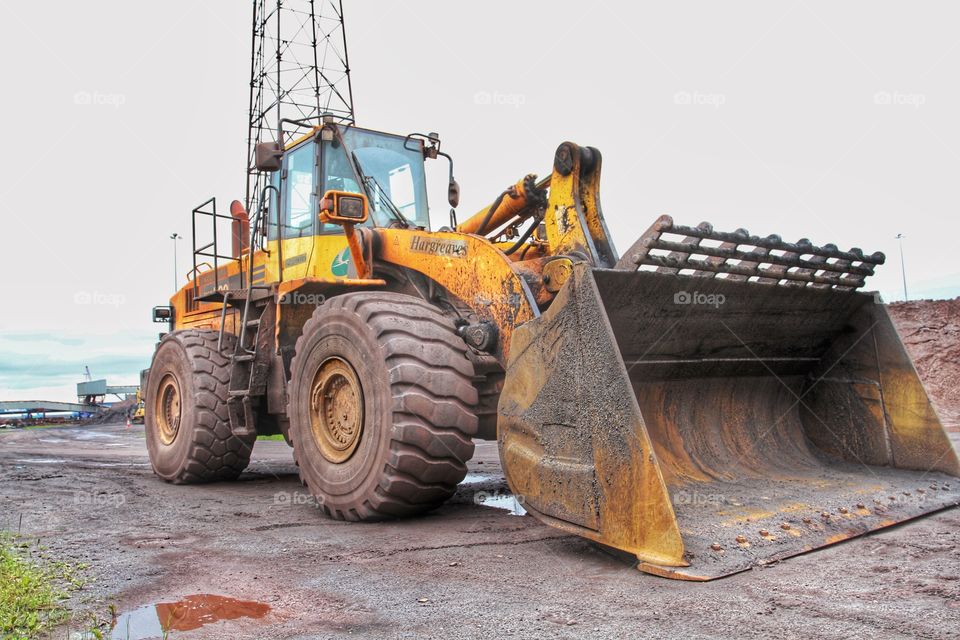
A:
709, 425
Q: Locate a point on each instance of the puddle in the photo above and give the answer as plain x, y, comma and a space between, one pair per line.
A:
506, 501
118, 464
91, 435
41, 461
495, 498
51, 440
192, 612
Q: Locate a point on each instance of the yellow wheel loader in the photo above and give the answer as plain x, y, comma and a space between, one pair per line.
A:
706, 401
139, 411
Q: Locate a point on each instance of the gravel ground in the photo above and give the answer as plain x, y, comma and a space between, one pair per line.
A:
466, 570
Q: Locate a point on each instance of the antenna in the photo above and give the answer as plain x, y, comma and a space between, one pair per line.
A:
298, 70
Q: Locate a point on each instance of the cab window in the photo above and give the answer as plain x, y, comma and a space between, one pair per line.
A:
298, 184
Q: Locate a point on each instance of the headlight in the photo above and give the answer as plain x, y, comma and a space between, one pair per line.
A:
351, 207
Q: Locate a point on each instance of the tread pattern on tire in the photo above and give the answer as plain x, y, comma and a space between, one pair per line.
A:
433, 396
215, 453
489, 383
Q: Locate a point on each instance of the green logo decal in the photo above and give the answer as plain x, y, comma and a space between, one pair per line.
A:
341, 263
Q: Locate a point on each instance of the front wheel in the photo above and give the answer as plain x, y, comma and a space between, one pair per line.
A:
186, 421
381, 406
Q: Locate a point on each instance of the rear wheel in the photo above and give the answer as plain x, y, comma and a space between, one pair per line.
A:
186, 421
381, 406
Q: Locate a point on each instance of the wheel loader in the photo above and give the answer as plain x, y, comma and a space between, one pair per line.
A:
705, 401
139, 411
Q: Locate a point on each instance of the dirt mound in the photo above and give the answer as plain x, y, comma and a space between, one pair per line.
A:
931, 331
118, 412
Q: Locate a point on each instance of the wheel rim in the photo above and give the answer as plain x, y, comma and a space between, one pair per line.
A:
336, 410
167, 409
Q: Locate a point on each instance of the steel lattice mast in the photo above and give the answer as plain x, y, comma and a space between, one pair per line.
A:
298, 70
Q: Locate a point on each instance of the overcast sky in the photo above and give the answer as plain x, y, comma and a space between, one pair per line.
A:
833, 121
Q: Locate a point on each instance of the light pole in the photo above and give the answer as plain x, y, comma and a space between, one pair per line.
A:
175, 237
903, 267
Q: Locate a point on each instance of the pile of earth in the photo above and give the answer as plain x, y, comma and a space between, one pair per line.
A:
118, 412
931, 331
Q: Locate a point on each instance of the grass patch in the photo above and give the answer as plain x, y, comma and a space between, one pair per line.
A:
55, 425
33, 427
33, 588
276, 436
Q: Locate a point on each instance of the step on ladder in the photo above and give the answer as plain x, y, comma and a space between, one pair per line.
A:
250, 360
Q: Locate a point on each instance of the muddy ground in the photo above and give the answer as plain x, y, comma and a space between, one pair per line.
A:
465, 570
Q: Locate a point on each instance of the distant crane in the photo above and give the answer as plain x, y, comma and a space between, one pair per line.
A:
86, 373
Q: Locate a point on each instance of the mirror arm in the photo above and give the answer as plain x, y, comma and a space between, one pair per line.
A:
353, 242
433, 151
356, 252
453, 192
450, 160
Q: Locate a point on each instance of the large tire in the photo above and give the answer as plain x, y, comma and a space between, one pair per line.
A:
388, 431
187, 425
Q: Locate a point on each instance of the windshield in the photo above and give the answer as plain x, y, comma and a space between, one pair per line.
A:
393, 174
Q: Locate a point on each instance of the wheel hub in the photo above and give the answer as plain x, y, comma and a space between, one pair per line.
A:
336, 410
167, 409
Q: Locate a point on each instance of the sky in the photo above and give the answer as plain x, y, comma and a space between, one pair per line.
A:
832, 121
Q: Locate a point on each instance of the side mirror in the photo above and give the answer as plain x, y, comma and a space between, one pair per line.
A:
453, 193
268, 156
344, 207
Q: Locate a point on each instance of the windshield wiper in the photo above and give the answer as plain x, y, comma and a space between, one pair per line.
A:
366, 180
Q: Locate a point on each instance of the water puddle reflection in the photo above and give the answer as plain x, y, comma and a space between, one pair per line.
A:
501, 500
192, 612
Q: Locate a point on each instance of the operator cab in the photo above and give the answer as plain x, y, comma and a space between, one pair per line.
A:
387, 169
